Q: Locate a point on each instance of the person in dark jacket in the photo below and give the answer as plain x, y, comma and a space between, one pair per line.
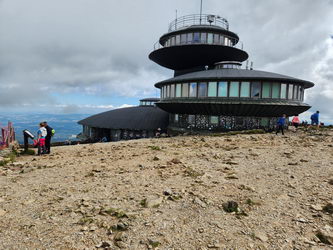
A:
50, 133
315, 119
280, 124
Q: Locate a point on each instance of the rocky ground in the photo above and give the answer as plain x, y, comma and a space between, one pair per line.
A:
196, 192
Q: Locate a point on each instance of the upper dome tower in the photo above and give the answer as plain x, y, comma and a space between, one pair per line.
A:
197, 42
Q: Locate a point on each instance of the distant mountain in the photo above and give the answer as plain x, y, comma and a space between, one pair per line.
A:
65, 125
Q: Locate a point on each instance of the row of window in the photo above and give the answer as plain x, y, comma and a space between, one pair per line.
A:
199, 38
234, 89
221, 121
145, 103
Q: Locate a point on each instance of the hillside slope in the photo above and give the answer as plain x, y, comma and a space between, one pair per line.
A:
173, 194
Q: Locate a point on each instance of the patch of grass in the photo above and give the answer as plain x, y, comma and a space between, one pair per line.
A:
192, 173
252, 202
85, 220
28, 152
143, 203
157, 148
115, 212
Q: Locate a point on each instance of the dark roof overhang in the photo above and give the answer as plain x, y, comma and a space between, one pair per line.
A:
234, 74
133, 118
233, 107
182, 57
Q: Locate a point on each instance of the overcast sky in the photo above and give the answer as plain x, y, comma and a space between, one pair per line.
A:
92, 55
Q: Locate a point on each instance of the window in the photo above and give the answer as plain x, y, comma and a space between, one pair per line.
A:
226, 41
216, 39
161, 94
203, 38
295, 92
183, 38
141, 103
283, 91
167, 43
210, 38
178, 90
168, 92
212, 89
172, 90
266, 90
245, 89
185, 90
176, 117
234, 89
222, 40
223, 89
189, 37
290, 91
191, 119
173, 41
193, 89
196, 37
214, 120
299, 92
202, 89
255, 89
275, 90
177, 39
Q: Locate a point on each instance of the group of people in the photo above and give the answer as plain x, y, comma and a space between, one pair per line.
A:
296, 122
44, 135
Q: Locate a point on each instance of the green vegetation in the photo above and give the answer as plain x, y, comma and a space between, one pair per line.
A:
154, 148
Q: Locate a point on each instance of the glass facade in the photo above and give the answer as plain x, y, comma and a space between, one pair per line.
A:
245, 89
185, 90
214, 120
283, 91
275, 90
193, 89
212, 89
172, 90
234, 89
290, 91
199, 37
266, 90
202, 89
178, 90
255, 89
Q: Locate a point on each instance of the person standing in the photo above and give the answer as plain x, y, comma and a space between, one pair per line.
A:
280, 124
41, 135
315, 119
295, 121
50, 133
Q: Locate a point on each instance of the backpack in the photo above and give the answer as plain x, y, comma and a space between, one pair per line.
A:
52, 132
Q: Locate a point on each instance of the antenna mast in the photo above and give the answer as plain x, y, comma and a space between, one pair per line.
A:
200, 11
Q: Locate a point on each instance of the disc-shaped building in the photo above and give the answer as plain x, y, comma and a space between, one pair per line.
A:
210, 90
126, 123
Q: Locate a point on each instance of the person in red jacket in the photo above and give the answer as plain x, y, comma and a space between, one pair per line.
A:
295, 121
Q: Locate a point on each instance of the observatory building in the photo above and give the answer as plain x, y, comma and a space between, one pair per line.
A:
210, 91
126, 123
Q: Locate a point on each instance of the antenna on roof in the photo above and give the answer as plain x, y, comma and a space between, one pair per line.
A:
251, 68
247, 64
200, 12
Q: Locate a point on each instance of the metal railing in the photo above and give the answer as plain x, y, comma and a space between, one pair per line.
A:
239, 45
197, 19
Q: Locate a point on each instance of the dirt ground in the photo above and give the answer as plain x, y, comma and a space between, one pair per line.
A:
195, 192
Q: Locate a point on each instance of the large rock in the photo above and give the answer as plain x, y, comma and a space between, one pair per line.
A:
325, 235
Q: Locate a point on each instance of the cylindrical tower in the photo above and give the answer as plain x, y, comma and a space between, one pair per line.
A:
209, 90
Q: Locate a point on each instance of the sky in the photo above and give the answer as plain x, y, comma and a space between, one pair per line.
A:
88, 56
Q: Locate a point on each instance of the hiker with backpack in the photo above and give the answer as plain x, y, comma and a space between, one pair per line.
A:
50, 133
315, 119
41, 135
